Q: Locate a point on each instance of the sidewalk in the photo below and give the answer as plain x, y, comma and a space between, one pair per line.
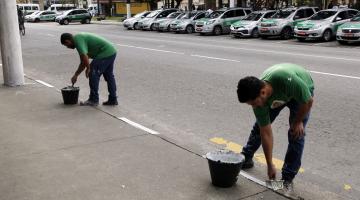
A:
52, 151
106, 22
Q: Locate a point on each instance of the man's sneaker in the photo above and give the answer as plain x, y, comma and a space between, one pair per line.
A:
110, 103
88, 103
289, 189
248, 163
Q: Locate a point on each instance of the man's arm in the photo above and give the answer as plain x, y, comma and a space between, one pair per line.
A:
297, 126
84, 64
267, 144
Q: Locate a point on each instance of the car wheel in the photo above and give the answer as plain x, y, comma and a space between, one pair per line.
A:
65, 21
255, 33
189, 29
286, 33
37, 20
152, 27
327, 35
342, 42
136, 26
87, 21
217, 30
301, 39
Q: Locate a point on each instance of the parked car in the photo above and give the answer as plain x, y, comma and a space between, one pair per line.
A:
75, 15
323, 24
133, 22
349, 31
248, 27
219, 21
164, 24
283, 21
41, 16
147, 23
187, 22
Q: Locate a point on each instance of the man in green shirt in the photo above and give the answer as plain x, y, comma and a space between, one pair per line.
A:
103, 54
282, 85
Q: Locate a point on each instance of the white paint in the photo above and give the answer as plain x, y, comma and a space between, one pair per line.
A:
51, 35
253, 179
215, 58
139, 126
0, 64
44, 83
144, 48
339, 75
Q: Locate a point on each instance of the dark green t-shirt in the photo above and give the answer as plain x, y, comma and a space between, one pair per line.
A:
94, 46
289, 81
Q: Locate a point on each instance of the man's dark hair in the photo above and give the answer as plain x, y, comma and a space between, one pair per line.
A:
249, 88
66, 36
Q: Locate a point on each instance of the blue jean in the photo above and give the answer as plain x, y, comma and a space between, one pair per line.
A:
295, 147
105, 67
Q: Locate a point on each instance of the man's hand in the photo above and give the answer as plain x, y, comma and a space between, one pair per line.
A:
73, 79
271, 172
87, 72
297, 130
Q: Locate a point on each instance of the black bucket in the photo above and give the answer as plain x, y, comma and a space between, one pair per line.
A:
70, 95
224, 167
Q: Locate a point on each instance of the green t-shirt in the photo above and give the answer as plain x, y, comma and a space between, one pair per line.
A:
94, 46
289, 81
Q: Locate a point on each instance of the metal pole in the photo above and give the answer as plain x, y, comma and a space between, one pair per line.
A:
10, 43
128, 9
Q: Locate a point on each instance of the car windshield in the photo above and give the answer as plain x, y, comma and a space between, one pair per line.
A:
356, 18
253, 17
188, 15
215, 14
281, 14
67, 12
322, 15
153, 14
139, 14
173, 15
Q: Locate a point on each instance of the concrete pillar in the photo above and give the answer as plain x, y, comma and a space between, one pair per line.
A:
128, 9
10, 44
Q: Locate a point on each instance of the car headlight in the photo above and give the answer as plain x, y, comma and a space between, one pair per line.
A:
316, 27
210, 22
339, 31
232, 27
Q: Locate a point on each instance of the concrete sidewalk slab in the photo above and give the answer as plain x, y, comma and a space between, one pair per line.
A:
52, 151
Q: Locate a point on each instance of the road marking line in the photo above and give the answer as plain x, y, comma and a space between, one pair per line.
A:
150, 49
139, 126
251, 178
339, 75
44, 83
215, 58
259, 157
51, 35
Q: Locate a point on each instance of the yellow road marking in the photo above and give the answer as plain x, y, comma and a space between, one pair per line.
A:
347, 187
259, 157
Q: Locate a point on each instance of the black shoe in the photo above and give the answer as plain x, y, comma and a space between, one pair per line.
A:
248, 163
110, 103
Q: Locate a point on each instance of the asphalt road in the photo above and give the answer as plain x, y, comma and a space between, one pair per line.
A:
184, 87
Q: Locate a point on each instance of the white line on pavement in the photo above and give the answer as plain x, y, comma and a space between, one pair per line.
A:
251, 178
139, 126
51, 35
44, 83
315, 72
150, 49
339, 75
215, 58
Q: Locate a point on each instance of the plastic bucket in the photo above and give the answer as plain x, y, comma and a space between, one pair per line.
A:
224, 167
70, 95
